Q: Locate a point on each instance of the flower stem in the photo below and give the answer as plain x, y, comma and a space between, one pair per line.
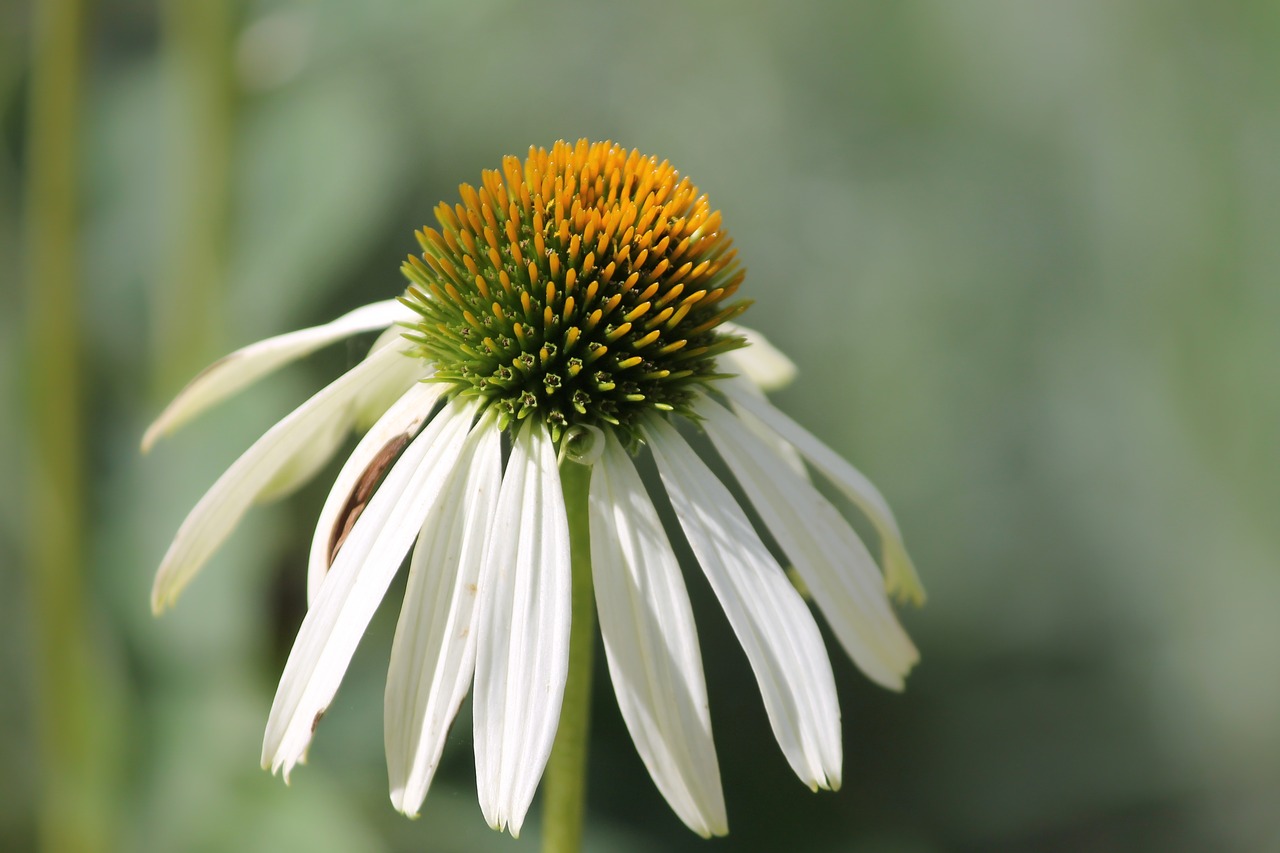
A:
565, 780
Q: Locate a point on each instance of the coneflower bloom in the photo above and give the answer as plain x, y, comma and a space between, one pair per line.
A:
574, 309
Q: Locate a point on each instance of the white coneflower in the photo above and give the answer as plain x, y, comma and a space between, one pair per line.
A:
575, 308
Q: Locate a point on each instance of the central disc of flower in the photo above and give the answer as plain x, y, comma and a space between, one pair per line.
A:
582, 286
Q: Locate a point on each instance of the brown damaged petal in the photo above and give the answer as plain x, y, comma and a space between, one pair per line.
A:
363, 491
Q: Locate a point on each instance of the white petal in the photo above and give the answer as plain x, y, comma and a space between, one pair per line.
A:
357, 581
773, 624
433, 656
245, 366
371, 401
900, 575
305, 461
760, 361
523, 654
758, 378
246, 481
651, 643
380, 396
359, 474
794, 460
827, 553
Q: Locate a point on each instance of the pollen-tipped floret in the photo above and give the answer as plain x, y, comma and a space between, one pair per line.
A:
582, 286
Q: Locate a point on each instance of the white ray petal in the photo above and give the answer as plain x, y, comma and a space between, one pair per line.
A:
352, 487
433, 656
760, 361
828, 554
226, 502
245, 366
901, 579
651, 643
380, 396
357, 581
522, 657
768, 616
371, 401
305, 461
794, 460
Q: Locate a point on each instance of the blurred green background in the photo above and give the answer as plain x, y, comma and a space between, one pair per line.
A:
1025, 255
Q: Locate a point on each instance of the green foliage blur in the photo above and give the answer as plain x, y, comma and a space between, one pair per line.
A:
1026, 256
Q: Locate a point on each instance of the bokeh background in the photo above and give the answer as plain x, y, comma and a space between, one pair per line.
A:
1026, 256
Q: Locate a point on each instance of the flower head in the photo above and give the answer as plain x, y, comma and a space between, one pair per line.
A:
584, 286
574, 309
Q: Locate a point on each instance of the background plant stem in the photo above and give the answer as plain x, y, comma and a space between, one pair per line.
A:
565, 780
71, 748
187, 301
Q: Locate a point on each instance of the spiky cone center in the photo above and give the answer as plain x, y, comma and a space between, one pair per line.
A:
583, 287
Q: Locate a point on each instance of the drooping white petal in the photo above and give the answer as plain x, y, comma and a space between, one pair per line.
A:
900, 574
794, 460
357, 581
259, 468
305, 461
768, 616
651, 643
828, 554
245, 366
522, 657
377, 397
433, 656
378, 392
359, 475
760, 361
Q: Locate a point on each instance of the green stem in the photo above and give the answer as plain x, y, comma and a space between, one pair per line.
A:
564, 784
187, 301
73, 813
